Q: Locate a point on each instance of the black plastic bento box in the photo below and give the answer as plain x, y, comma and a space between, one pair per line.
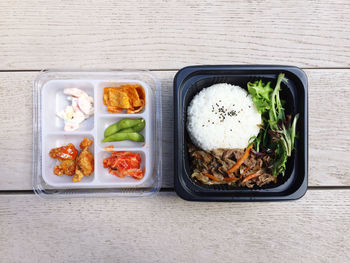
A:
190, 80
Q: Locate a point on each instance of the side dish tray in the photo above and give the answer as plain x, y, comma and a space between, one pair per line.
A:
49, 133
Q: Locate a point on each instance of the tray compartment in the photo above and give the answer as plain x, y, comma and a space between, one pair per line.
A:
102, 109
54, 100
57, 140
105, 121
105, 178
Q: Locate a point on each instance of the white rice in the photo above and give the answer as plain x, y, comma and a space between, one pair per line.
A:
233, 129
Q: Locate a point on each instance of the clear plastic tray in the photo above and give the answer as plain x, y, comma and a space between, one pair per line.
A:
48, 133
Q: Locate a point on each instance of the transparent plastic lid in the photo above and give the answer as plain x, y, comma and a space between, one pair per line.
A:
51, 95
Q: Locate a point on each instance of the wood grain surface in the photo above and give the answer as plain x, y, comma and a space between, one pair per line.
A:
168, 229
329, 115
165, 35
171, 34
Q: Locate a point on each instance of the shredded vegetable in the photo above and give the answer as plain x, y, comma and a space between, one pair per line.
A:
241, 160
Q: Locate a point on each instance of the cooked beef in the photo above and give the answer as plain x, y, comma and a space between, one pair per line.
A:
216, 163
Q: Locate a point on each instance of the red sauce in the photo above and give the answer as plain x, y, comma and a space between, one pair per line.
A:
68, 152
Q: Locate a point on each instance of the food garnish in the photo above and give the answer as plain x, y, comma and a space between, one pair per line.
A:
278, 132
241, 160
124, 163
129, 97
212, 177
250, 176
72, 163
82, 108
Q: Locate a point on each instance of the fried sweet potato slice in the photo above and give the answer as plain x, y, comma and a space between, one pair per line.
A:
129, 97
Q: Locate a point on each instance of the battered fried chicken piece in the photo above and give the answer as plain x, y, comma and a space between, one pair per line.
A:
66, 167
66, 155
85, 161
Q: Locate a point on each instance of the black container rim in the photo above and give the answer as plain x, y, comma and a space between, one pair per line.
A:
194, 192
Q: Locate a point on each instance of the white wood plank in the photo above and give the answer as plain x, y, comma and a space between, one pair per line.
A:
166, 228
171, 34
329, 148
329, 127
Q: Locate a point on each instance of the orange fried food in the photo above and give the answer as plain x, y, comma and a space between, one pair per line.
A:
129, 97
66, 155
124, 163
68, 152
66, 167
73, 164
85, 161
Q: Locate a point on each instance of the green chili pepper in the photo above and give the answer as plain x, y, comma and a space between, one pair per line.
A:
120, 136
121, 125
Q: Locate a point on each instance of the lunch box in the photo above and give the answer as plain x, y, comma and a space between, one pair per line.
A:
190, 80
48, 99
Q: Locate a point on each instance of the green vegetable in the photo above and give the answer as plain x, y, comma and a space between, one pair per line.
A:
137, 128
121, 125
119, 136
278, 132
276, 111
261, 95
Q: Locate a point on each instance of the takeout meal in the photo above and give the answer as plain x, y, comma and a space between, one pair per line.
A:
82, 108
124, 163
72, 163
125, 129
238, 137
129, 97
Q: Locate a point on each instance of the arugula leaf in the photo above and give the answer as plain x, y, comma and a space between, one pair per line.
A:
276, 111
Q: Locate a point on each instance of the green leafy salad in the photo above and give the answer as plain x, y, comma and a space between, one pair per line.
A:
277, 133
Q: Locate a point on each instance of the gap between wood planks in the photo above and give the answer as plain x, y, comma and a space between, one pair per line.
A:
171, 69
170, 189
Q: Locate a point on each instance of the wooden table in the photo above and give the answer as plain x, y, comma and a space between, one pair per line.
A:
164, 36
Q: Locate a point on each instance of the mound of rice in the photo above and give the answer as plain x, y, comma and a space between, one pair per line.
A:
222, 116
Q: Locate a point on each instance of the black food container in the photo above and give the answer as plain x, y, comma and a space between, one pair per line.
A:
190, 80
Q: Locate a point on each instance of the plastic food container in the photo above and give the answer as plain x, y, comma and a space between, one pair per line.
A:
190, 80
49, 133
